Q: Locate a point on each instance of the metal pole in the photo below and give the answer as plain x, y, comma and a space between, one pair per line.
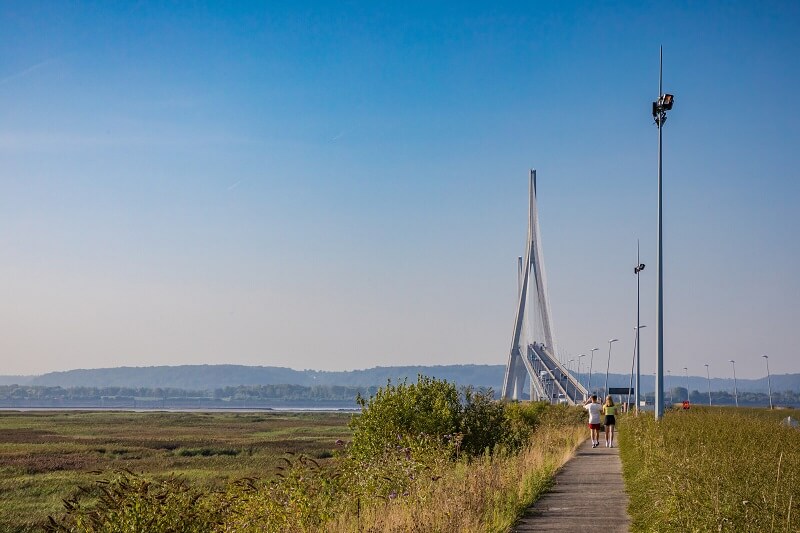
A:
686, 370
708, 376
769, 381
735, 392
669, 375
569, 371
659, 407
608, 365
591, 359
633, 363
638, 327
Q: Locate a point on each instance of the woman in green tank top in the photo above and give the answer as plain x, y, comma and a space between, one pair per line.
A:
610, 411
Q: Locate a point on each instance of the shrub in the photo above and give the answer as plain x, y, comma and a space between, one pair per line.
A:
429, 407
129, 502
483, 423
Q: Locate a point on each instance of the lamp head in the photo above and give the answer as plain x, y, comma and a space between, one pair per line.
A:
661, 106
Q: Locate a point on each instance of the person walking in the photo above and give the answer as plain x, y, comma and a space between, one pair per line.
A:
594, 409
609, 412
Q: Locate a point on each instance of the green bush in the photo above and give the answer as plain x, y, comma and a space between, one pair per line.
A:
482, 423
429, 407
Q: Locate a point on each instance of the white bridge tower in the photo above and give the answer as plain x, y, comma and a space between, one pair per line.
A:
532, 354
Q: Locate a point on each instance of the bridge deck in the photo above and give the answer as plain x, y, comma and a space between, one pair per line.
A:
588, 495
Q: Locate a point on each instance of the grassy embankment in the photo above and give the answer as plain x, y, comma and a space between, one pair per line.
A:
45, 456
485, 495
712, 469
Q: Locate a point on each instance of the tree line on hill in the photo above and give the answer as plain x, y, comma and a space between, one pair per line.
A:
242, 395
210, 377
17, 395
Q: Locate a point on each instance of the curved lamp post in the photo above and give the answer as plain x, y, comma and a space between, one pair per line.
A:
669, 375
686, 371
708, 376
591, 359
769, 381
608, 365
735, 392
579, 367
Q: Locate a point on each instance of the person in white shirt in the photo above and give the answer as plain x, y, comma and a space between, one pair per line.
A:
594, 409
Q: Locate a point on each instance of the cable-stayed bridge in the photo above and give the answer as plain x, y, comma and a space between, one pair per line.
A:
531, 359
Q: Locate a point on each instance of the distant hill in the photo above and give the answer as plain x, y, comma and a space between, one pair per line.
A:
209, 377
16, 380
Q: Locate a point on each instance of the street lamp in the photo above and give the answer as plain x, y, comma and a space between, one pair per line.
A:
708, 376
660, 108
569, 371
579, 366
591, 359
735, 392
608, 365
639, 267
769, 381
686, 371
635, 363
669, 375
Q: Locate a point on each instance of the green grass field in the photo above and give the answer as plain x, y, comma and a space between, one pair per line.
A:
46, 456
712, 469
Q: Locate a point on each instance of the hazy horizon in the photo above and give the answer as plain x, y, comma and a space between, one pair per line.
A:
330, 187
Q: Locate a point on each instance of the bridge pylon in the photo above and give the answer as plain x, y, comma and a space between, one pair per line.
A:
532, 354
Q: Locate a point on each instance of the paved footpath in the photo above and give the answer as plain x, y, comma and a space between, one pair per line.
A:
588, 495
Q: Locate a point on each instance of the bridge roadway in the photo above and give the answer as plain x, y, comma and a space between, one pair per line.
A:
551, 380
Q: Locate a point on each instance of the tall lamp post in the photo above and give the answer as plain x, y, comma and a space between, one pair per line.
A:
660, 108
735, 392
686, 371
669, 375
608, 365
769, 381
579, 367
635, 363
708, 376
569, 371
639, 267
591, 359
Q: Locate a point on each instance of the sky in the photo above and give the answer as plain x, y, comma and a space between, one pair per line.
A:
343, 185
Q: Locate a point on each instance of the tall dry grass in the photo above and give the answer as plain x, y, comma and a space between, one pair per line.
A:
712, 469
485, 495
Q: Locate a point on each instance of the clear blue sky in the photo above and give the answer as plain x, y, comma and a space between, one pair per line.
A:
343, 185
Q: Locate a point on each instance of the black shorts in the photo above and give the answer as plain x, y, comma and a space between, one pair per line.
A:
609, 421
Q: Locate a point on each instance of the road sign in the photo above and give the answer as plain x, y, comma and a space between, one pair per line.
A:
685, 404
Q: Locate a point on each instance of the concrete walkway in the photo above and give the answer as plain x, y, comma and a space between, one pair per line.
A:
588, 495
